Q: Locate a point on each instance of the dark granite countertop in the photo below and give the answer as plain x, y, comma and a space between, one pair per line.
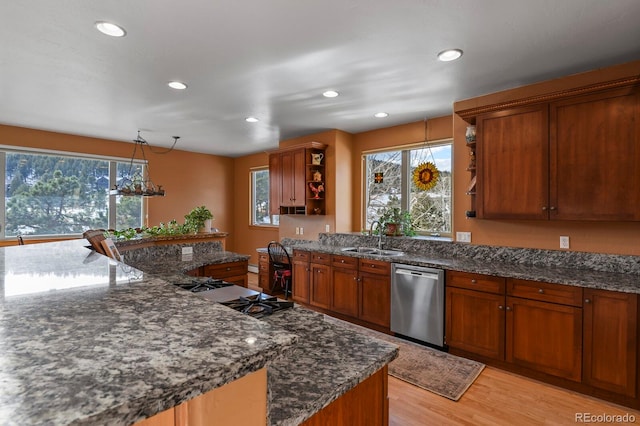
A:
107, 343
574, 276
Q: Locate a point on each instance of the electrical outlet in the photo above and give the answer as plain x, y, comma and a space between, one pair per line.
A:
327, 228
297, 230
187, 250
301, 230
463, 237
564, 242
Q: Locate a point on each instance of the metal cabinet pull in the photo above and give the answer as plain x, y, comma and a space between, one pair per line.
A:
508, 308
544, 208
473, 281
587, 300
552, 208
541, 291
500, 307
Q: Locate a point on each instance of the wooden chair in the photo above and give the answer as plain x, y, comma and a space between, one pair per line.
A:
281, 263
95, 238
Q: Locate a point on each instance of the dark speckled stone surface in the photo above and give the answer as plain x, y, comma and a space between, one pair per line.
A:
86, 340
590, 270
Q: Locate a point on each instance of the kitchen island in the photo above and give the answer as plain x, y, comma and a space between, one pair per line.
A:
86, 340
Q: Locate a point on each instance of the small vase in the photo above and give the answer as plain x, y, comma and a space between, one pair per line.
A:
470, 135
206, 228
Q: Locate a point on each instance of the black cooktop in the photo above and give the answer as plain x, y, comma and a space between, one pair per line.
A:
198, 284
258, 305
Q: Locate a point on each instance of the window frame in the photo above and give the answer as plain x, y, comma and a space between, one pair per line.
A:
111, 201
274, 219
405, 186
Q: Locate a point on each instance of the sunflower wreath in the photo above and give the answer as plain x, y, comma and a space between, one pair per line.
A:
425, 176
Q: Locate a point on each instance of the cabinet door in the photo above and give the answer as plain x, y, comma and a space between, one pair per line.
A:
475, 322
265, 278
293, 188
546, 337
375, 298
512, 180
320, 289
345, 291
595, 153
275, 183
300, 290
610, 341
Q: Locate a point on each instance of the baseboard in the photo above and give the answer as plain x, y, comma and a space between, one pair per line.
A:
253, 268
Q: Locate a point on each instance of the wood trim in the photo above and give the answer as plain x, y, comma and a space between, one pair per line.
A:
471, 113
307, 145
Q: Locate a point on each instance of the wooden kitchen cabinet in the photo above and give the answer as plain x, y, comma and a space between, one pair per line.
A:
301, 281
556, 160
345, 285
544, 327
592, 177
374, 292
475, 314
233, 272
611, 341
512, 176
320, 280
265, 272
291, 175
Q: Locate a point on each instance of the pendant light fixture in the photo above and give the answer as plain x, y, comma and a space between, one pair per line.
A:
139, 184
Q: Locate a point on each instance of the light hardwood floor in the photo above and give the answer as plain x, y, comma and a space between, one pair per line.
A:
496, 398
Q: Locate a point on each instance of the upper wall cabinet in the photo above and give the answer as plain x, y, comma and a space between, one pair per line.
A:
297, 180
573, 159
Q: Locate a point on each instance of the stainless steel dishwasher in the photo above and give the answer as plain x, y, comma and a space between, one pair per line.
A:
417, 303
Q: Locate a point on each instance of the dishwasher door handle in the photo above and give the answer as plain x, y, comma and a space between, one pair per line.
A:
417, 274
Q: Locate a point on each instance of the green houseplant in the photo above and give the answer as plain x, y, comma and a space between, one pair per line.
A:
395, 222
197, 218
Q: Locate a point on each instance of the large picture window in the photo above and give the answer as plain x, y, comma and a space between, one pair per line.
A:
50, 194
260, 215
388, 183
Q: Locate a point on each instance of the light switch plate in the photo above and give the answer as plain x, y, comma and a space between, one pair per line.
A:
187, 250
564, 242
463, 237
327, 228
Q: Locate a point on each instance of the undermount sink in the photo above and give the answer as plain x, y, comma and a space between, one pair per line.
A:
372, 251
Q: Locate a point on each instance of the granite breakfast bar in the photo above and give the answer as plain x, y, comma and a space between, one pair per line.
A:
86, 340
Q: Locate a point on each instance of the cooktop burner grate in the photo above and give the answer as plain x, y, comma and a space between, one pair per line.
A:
203, 284
258, 305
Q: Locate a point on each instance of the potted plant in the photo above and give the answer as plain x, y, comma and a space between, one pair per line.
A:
394, 222
198, 219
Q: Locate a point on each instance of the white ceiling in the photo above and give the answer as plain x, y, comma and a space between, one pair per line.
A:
273, 59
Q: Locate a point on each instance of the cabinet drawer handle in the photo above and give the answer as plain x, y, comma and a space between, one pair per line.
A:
541, 291
544, 208
500, 307
473, 281
508, 308
587, 300
552, 208
342, 261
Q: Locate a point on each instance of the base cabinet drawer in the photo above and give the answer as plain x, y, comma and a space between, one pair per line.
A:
234, 272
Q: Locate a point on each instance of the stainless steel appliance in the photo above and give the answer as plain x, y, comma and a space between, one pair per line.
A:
417, 303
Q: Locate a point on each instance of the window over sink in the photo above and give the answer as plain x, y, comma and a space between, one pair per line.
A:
388, 183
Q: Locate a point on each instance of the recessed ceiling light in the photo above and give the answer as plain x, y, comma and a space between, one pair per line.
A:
449, 55
330, 94
110, 29
251, 120
178, 85
381, 114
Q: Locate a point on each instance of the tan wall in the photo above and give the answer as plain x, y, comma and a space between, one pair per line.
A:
601, 237
189, 179
248, 238
435, 129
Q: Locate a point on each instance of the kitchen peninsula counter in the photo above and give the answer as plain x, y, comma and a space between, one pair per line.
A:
87, 340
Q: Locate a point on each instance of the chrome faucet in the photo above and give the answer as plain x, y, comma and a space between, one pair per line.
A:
379, 233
